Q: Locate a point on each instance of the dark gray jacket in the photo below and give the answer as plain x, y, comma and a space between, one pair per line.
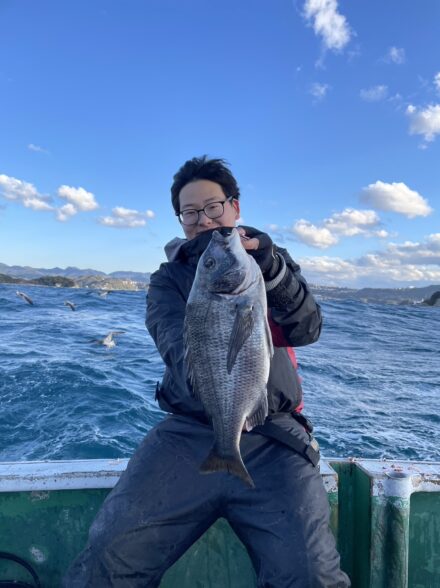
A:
294, 318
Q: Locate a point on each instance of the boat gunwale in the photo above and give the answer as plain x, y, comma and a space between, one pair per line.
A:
81, 474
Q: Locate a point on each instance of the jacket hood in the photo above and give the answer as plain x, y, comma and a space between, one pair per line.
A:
173, 247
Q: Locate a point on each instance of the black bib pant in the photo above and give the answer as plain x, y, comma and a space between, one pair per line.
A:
162, 505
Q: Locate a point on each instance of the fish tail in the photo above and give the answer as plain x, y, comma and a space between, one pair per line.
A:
226, 463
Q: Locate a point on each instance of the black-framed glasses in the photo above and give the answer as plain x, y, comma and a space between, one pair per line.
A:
213, 210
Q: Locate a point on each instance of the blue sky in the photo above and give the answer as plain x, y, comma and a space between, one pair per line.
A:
328, 112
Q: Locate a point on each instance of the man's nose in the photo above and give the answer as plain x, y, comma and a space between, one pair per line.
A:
204, 221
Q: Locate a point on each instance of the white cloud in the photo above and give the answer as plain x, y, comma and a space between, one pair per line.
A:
37, 204
65, 212
437, 81
24, 193
395, 55
126, 218
27, 195
14, 189
331, 271
80, 198
312, 235
36, 148
396, 197
424, 122
348, 223
409, 252
352, 222
381, 233
328, 23
319, 90
398, 264
374, 94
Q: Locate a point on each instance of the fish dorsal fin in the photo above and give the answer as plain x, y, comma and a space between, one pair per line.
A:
241, 330
259, 415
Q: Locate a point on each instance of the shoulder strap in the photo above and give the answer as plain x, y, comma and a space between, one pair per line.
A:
308, 450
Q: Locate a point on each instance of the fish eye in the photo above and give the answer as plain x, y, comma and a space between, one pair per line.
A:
209, 262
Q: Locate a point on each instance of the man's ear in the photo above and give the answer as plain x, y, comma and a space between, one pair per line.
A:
236, 205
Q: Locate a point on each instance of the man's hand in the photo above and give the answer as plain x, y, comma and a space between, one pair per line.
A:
260, 246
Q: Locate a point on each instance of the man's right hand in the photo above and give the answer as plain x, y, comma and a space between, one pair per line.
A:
259, 245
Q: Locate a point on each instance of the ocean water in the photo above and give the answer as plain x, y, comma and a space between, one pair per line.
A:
371, 383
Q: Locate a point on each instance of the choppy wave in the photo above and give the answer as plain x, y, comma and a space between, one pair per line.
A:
371, 383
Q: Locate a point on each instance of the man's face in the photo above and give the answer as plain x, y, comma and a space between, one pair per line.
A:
197, 195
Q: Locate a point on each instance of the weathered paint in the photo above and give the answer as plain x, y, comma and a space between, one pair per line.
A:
424, 535
42, 476
390, 542
389, 522
47, 533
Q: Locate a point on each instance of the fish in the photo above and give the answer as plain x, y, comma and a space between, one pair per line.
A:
71, 305
25, 297
228, 348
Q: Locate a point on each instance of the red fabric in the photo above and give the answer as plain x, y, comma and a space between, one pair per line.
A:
292, 356
300, 406
278, 339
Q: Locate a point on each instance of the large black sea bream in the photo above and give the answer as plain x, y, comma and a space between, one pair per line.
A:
228, 347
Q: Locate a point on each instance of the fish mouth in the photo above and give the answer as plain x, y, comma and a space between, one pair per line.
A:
225, 234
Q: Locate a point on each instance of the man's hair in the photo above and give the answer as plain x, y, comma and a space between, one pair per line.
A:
202, 168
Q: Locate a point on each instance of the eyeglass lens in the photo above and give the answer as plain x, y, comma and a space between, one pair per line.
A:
212, 210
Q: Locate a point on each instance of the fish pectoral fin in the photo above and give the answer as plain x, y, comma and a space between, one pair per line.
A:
190, 315
241, 330
269, 338
190, 376
259, 415
191, 380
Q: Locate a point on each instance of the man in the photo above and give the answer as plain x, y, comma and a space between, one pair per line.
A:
162, 504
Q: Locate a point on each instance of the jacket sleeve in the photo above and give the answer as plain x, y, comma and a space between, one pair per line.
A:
295, 317
165, 317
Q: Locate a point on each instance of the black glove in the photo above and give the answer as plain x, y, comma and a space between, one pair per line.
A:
265, 254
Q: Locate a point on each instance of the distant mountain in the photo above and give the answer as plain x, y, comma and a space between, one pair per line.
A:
433, 300
378, 295
30, 273
135, 276
124, 280
91, 282
333, 292
396, 295
108, 283
53, 281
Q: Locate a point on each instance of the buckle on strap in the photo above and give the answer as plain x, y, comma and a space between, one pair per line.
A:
312, 451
